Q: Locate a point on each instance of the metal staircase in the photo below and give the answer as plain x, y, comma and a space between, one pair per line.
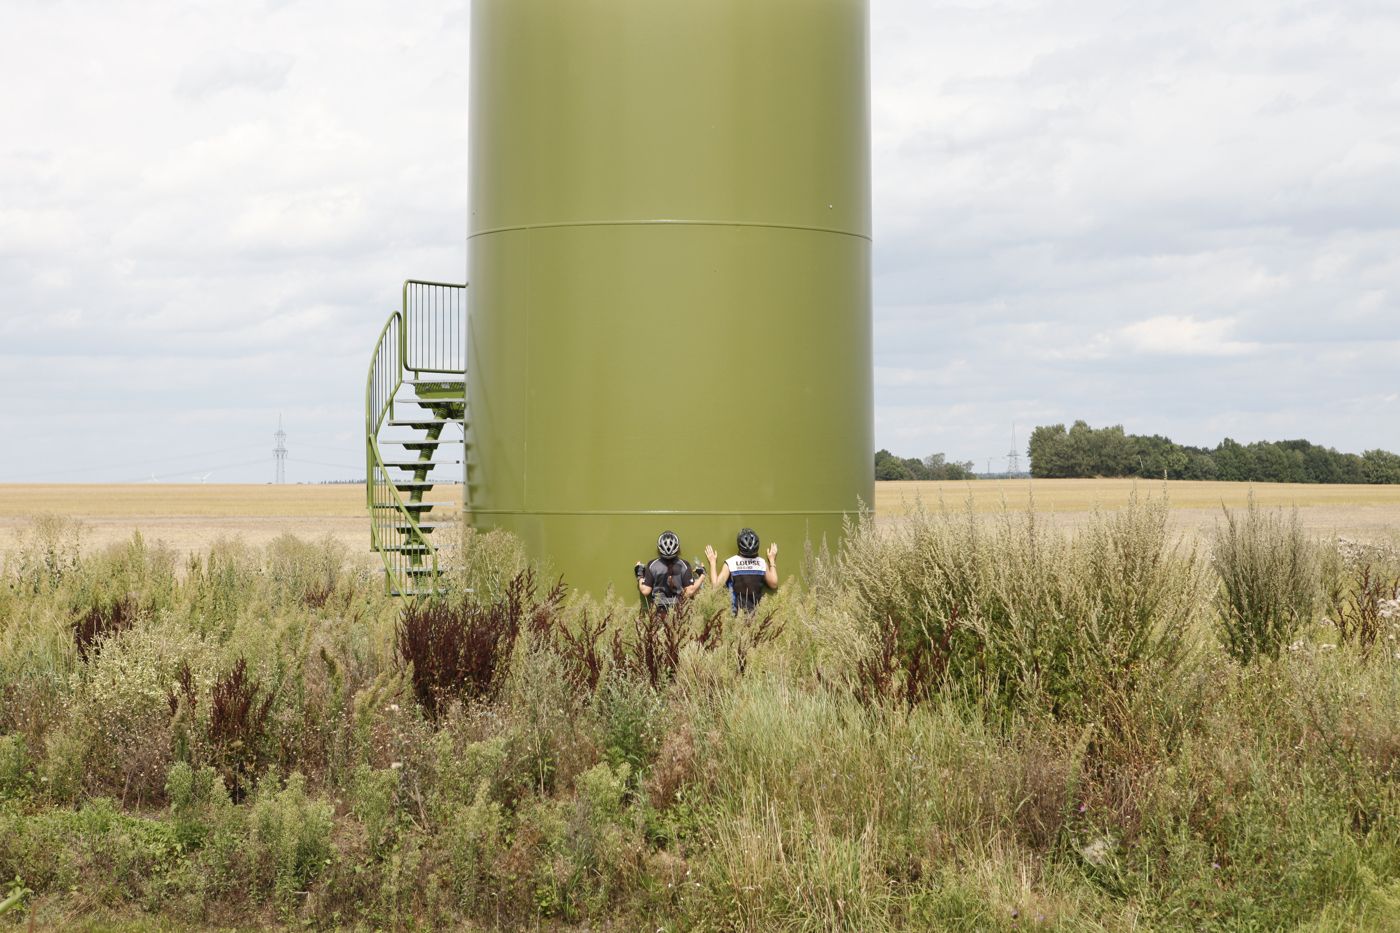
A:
416, 428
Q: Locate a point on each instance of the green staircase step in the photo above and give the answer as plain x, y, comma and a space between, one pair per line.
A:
421, 422
418, 506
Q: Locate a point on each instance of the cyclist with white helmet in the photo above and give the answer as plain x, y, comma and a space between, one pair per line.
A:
665, 580
747, 575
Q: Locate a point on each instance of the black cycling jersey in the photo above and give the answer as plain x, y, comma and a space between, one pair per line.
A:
668, 580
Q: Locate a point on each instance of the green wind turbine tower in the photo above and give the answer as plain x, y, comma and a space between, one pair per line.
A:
668, 242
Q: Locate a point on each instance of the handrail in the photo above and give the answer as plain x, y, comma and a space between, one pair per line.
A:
386, 507
384, 380
433, 337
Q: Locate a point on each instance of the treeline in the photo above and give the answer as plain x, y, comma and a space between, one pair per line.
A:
1082, 451
934, 466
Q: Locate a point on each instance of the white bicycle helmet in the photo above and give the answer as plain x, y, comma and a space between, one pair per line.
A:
668, 545
748, 543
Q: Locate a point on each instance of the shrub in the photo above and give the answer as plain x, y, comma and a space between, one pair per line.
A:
481, 565
474, 834
14, 766
196, 797
632, 722
462, 650
132, 571
1010, 608
48, 554
1269, 581
222, 583
290, 836
653, 650
592, 845
118, 734
580, 648
375, 803
101, 622
238, 728
912, 668
1362, 590
304, 572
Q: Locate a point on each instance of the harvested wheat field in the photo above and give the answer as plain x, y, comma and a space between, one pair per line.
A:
189, 518
1366, 512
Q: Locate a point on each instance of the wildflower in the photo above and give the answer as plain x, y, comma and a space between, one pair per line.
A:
395, 765
1096, 853
1215, 866
393, 707
1296, 646
1326, 647
1083, 807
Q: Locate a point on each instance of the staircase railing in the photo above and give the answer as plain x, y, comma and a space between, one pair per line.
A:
433, 338
427, 336
394, 531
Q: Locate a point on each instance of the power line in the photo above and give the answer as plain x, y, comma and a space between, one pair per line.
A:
138, 463
338, 466
224, 466
338, 450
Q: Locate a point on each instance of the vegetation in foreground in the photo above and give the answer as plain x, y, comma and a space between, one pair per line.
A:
961, 725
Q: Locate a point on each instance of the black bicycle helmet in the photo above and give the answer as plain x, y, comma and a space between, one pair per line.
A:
748, 543
668, 545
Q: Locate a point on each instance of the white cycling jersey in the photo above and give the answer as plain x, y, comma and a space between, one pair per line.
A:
746, 581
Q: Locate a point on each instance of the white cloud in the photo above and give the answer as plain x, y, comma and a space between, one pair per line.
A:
264, 72
1184, 336
1185, 220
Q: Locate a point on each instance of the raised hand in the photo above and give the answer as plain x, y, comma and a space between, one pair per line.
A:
773, 552
710, 554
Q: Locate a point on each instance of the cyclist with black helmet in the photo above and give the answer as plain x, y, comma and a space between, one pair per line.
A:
665, 580
747, 575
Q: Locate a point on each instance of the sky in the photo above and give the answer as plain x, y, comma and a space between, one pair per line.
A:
1182, 217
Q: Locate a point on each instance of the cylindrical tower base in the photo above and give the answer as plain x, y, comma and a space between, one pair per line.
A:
669, 260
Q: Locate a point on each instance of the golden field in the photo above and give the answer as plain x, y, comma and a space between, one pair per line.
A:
190, 517
1370, 512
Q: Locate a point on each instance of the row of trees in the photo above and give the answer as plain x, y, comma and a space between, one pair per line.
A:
1082, 451
934, 466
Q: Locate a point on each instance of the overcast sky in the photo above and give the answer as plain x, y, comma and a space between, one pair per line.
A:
1180, 216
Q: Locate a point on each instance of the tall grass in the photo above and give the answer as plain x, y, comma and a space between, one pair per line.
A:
967, 722
1270, 581
1022, 614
